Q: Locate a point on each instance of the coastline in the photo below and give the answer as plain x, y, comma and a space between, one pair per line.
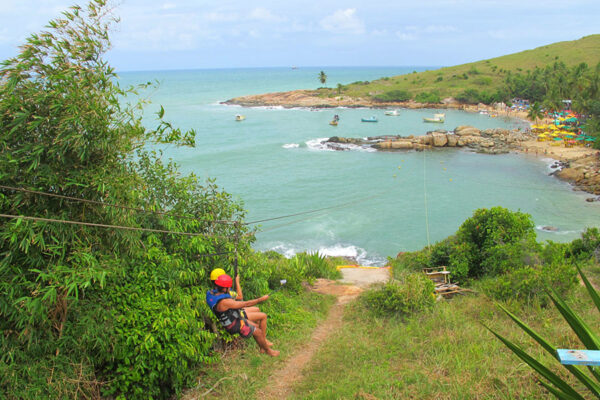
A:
580, 166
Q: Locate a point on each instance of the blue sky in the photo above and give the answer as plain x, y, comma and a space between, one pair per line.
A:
187, 34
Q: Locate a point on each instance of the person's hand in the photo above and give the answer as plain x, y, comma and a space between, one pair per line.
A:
265, 297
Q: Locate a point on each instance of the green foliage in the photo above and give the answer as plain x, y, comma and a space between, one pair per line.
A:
483, 81
411, 261
469, 96
322, 77
555, 384
529, 283
123, 307
587, 246
393, 95
487, 233
428, 97
408, 293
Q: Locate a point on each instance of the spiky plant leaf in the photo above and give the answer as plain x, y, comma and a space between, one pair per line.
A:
541, 369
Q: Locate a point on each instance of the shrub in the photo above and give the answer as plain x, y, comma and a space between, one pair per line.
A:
428, 97
506, 257
393, 95
410, 293
483, 81
411, 261
528, 283
585, 247
469, 96
488, 228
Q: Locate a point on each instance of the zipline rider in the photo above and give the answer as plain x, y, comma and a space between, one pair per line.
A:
227, 311
253, 314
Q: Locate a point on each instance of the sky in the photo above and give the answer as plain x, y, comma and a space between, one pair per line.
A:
191, 34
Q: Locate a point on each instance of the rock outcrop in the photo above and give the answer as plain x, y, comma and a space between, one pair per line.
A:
584, 173
491, 141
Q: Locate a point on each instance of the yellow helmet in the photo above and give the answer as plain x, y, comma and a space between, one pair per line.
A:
216, 273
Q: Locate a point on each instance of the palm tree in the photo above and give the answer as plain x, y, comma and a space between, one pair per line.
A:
322, 77
535, 112
339, 88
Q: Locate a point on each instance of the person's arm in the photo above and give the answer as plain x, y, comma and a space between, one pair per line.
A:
238, 288
228, 304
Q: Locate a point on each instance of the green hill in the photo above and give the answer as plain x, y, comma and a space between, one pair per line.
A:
485, 75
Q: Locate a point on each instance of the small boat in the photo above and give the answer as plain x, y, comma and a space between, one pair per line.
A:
437, 118
392, 113
240, 117
333, 123
372, 119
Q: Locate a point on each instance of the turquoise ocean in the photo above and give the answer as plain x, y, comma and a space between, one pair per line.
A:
373, 204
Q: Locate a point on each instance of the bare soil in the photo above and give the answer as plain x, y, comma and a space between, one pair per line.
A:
353, 283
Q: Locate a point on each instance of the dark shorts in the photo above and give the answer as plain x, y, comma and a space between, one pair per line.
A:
241, 327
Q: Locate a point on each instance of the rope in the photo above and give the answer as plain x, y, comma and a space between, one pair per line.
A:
316, 210
214, 254
425, 198
160, 212
131, 228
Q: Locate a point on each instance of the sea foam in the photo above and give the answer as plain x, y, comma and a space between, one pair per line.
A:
290, 146
360, 255
318, 144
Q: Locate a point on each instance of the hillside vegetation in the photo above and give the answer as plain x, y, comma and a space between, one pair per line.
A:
486, 75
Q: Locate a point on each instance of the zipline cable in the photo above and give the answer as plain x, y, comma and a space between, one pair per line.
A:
130, 228
317, 210
425, 197
159, 212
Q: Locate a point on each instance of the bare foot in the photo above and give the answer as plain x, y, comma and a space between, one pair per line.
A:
273, 353
269, 343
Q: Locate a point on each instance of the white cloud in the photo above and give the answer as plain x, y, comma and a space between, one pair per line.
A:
343, 21
262, 14
168, 6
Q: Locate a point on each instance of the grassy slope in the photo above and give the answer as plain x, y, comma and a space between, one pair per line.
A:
484, 75
446, 354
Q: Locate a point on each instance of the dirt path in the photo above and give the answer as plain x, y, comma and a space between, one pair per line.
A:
355, 279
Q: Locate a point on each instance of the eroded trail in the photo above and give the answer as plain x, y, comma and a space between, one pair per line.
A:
282, 382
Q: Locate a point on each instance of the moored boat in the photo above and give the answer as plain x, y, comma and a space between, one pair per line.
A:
437, 118
393, 113
371, 119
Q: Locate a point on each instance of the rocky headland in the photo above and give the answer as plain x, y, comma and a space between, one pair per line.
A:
580, 166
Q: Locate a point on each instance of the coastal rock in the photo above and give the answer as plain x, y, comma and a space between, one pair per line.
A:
486, 143
465, 130
427, 139
550, 228
394, 145
439, 139
452, 140
468, 140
